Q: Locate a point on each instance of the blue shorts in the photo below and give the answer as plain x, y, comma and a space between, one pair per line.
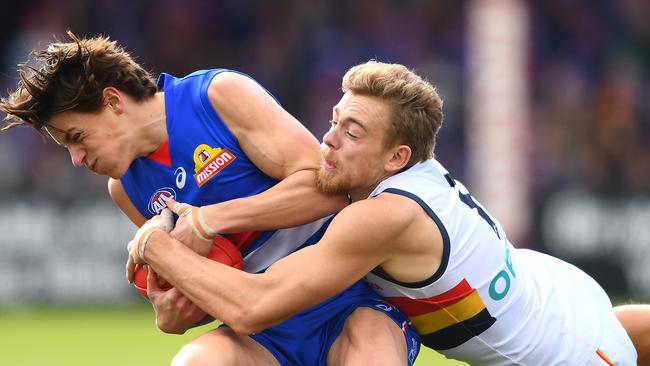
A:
306, 338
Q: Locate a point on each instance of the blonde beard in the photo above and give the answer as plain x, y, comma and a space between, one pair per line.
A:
327, 184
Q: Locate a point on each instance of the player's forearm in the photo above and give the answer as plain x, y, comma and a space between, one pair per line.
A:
230, 295
293, 201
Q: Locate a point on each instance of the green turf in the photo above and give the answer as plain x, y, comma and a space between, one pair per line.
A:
100, 337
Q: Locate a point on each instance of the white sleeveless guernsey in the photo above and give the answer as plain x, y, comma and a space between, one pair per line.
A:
489, 303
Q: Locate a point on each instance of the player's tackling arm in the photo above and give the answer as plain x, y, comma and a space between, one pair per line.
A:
361, 237
281, 147
121, 199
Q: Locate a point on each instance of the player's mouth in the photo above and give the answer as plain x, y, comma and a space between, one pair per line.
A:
327, 164
93, 166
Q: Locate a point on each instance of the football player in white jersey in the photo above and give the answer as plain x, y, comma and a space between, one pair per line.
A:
422, 241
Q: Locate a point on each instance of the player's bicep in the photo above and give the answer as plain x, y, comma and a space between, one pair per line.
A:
271, 137
122, 200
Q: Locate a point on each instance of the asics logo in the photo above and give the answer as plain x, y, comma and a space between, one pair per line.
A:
180, 177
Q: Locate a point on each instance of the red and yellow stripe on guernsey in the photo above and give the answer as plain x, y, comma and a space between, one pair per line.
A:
447, 320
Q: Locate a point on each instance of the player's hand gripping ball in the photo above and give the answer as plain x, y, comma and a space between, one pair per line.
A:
223, 251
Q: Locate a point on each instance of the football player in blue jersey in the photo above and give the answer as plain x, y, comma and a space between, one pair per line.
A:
212, 137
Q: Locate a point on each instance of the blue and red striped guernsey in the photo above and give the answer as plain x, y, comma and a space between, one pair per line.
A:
447, 320
202, 163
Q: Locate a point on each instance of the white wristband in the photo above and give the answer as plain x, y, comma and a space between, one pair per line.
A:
145, 240
207, 229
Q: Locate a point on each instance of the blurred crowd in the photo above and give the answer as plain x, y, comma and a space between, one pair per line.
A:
591, 96
589, 74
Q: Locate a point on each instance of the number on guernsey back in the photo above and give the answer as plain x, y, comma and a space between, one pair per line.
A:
500, 284
467, 199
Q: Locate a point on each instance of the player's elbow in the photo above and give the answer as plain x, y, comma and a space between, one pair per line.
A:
173, 331
243, 329
170, 328
252, 318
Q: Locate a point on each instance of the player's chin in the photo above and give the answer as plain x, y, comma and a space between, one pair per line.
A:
114, 173
327, 183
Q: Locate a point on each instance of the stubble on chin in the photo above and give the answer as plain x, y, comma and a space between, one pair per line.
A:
326, 183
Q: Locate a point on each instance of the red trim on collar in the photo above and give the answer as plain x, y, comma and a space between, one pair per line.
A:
161, 155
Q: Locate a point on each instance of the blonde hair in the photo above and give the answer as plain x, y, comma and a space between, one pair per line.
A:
72, 77
416, 106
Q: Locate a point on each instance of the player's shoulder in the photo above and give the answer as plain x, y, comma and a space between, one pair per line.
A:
235, 95
374, 224
393, 202
389, 209
228, 85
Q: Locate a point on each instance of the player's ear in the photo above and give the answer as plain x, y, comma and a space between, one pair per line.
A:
113, 99
400, 156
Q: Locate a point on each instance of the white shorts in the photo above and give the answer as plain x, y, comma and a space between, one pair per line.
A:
598, 337
614, 350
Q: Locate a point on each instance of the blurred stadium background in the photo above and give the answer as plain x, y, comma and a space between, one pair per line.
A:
547, 122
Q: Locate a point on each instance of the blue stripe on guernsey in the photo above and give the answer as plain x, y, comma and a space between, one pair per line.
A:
257, 242
283, 242
318, 234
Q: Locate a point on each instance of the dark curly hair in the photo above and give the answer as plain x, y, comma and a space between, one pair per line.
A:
71, 76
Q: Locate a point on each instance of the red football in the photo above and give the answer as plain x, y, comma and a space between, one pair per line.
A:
223, 251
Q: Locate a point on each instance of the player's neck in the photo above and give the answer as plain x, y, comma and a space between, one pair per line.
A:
151, 124
361, 193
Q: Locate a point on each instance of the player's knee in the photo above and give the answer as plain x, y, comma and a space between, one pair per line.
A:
635, 319
207, 350
195, 355
365, 323
191, 354
369, 337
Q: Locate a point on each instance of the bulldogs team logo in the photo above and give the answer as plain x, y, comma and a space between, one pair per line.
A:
158, 200
209, 161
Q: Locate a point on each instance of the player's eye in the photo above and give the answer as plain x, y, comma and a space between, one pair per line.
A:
347, 132
333, 122
78, 137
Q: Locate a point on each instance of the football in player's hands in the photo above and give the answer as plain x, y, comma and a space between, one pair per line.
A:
223, 251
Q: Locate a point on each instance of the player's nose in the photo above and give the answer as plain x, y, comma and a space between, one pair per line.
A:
77, 155
329, 139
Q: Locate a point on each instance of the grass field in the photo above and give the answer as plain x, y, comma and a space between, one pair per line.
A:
101, 337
